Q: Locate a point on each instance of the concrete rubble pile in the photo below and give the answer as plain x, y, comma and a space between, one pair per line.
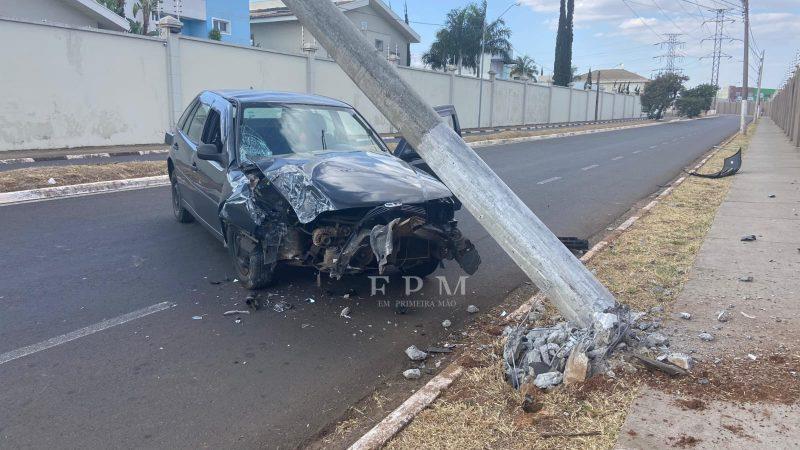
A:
563, 353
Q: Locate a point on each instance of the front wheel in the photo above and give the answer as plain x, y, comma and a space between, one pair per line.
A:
248, 260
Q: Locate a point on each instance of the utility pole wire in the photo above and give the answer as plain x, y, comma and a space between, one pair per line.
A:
644, 22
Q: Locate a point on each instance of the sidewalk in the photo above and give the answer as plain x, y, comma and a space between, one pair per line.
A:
758, 336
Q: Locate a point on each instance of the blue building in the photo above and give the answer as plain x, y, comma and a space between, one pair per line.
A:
199, 17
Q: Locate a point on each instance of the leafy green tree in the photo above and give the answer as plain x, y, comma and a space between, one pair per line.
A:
215, 35
692, 102
524, 67
118, 6
459, 41
660, 94
562, 66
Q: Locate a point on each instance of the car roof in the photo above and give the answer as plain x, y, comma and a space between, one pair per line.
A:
253, 96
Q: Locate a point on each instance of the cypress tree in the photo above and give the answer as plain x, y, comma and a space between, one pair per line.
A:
562, 66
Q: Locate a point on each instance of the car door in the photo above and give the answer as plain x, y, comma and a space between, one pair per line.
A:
211, 175
187, 140
181, 154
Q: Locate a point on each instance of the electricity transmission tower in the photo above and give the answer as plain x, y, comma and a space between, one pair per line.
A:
719, 35
672, 54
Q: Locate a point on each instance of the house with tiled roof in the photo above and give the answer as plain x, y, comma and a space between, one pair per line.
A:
612, 79
274, 27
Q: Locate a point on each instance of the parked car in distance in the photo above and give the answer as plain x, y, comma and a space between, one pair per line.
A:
303, 180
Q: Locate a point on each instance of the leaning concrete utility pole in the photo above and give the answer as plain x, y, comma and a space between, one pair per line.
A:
560, 276
758, 90
745, 65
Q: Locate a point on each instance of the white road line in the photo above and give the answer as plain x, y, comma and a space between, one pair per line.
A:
83, 332
617, 158
590, 167
637, 151
549, 180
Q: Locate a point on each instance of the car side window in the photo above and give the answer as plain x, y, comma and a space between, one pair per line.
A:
212, 134
182, 122
195, 132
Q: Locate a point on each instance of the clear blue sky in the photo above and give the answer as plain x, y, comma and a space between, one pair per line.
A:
608, 33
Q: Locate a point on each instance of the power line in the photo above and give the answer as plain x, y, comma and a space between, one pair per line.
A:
644, 22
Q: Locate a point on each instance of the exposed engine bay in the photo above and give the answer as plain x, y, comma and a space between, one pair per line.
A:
296, 223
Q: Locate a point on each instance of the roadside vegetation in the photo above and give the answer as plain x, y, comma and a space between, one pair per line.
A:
646, 266
52, 176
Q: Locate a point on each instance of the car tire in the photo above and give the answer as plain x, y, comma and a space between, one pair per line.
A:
251, 270
181, 214
422, 269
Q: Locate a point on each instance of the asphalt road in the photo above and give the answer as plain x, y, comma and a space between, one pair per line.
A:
166, 380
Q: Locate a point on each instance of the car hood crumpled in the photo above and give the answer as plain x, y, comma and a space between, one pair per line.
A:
337, 180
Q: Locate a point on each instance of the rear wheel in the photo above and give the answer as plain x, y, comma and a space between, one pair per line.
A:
421, 269
180, 213
248, 260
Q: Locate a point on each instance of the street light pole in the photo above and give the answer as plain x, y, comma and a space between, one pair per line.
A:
745, 66
480, 64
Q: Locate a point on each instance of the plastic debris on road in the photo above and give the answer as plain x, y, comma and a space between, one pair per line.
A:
234, 312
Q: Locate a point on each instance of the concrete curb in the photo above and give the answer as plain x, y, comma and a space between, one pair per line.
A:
76, 190
380, 434
386, 429
493, 142
81, 156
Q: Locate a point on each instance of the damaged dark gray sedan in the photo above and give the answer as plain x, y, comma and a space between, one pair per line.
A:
304, 180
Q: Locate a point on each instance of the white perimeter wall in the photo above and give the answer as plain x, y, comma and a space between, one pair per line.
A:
68, 87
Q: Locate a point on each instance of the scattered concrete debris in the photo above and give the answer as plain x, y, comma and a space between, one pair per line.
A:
197, 317
447, 323
685, 316
747, 315
234, 312
723, 315
52, 181
412, 374
472, 309
681, 360
310, 300
704, 336
749, 238
282, 306
237, 320
253, 301
752, 357
577, 368
656, 340
747, 279
415, 354
345, 312
771, 196
548, 379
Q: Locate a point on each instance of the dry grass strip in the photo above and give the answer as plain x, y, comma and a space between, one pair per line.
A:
36, 177
645, 266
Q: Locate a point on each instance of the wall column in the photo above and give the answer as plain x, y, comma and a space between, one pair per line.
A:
569, 104
169, 28
524, 100
492, 77
310, 49
550, 103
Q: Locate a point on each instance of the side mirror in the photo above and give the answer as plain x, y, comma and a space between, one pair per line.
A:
169, 138
209, 152
405, 151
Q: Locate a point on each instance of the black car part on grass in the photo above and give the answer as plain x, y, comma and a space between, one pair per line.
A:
731, 165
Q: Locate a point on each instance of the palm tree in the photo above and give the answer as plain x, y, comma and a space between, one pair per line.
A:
524, 67
459, 41
146, 7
